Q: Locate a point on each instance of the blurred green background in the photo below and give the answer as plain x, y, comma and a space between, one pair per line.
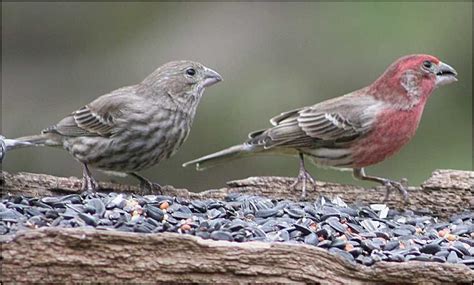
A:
274, 57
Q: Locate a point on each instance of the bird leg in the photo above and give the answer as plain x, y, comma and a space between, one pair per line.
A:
145, 184
303, 176
89, 184
359, 173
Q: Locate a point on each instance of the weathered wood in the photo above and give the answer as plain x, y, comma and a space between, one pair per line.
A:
445, 193
85, 255
88, 255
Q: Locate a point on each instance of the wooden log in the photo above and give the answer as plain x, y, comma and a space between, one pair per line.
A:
54, 255
445, 193
51, 255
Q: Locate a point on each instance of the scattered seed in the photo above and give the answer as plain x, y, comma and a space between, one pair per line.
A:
361, 234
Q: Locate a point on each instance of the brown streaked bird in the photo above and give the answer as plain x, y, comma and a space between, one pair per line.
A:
353, 131
134, 127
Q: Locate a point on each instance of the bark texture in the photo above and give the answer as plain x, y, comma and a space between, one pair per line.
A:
86, 255
83, 255
445, 193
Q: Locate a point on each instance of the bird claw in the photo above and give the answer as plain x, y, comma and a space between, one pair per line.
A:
89, 184
303, 176
400, 186
146, 186
150, 187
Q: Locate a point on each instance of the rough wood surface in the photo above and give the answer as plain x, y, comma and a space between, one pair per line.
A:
53, 255
86, 255
445, 193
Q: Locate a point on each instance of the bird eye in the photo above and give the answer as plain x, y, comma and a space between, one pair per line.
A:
190, 71
427, 64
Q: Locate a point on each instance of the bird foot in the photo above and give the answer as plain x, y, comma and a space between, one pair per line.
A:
400, 186
150, 187
146, 186
303, 177
89, 184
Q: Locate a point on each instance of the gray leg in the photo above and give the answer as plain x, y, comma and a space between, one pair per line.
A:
88, 182
303, 176
145, 184
359, 173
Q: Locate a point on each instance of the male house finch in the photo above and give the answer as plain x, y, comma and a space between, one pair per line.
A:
354, 131
134, 127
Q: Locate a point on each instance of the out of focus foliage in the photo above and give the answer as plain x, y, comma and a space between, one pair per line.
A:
57, 57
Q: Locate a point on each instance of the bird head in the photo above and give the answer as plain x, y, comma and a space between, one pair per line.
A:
413, 77
182, 78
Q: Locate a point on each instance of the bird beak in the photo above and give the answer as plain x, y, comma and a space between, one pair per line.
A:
445, 74
211, 77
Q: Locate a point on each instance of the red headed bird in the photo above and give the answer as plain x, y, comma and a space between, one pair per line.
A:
352, 131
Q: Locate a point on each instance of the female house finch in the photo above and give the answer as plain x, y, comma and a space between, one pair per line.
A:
134, 127
354, 131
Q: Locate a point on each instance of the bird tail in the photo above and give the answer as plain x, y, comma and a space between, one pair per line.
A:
36, 140
28, 141
228, 154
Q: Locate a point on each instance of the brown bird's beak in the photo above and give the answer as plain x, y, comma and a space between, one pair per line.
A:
211, 77
445, 74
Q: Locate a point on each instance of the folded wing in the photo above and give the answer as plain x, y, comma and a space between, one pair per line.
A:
99, 118
336, 121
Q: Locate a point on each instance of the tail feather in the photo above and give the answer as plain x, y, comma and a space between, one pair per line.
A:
231, 153
36, 140
7, 144
28, 141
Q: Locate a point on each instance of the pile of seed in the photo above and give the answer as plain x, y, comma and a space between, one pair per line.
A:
360, 234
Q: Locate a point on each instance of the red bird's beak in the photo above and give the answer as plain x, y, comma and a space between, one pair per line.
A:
445, 74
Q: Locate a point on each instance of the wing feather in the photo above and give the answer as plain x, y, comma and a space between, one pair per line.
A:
277, 120
94, 122
100, 117
331, 123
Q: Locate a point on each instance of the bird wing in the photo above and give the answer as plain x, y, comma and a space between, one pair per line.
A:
99, 118
328, 125
283, 116
338, 120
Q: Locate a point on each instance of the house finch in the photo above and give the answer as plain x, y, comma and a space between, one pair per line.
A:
353, 131
134, 127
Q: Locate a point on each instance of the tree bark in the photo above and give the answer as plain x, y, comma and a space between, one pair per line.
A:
89, 255
445, 193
